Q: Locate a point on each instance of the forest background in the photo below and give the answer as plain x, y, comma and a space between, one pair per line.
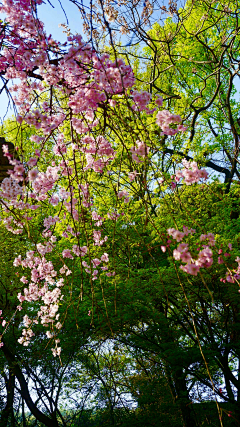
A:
120, 210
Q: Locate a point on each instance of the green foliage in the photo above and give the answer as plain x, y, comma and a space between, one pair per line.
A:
151, 331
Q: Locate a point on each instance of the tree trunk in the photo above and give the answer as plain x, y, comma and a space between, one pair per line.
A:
40, 416
8, 410
183, 399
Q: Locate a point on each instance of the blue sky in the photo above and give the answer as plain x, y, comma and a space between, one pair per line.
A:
52, 17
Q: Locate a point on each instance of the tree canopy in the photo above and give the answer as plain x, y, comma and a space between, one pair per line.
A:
120, 210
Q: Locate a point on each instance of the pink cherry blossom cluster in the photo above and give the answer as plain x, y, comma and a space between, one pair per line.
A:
182, 253
124, 194
11, 224
233, 276
141, 100
43, 276
114, 215
99, 152
44, 286
179, 235
95, 263
45, 181
97, 238
159, 101
205, 256
4, 323
139, 150
168, 121
10, 189
190, 173
98, 218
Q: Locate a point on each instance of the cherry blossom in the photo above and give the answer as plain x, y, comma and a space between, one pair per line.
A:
190, 173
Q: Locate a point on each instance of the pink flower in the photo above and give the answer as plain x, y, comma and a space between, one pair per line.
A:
85, 264
190, 172
192, 269
182, 253
83, 250
17, 261
49, 335
110, 274
76, 250
112, 102
141, 99
124, 194
140, 149
181, 128
176, 254
58, 325
104, 257
185, 257
21, 297
54, 200
205, 258
132, 175
159, 101
96, 262
183, 247
32, 162
178, 236
66, 253
165, 118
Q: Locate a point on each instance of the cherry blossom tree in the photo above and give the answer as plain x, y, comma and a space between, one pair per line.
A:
63, 90
89, 142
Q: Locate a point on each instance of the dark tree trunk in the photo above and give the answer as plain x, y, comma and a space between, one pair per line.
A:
8, 410
183, 399
40, 416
